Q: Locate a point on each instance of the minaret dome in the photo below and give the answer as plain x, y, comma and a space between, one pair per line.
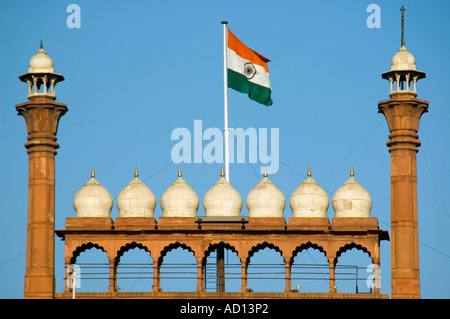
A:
403, 75
41, 77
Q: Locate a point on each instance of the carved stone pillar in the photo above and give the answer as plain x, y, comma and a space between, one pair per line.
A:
156, 275
113, 274
332, 265
200, 275
41, 116
403, 112
288, 275
243, 274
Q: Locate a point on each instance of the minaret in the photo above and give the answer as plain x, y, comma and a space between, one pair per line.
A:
403, 112
41, 115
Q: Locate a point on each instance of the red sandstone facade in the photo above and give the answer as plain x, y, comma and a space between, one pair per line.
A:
201, 237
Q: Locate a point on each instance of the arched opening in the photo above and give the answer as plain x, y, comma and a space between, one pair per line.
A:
353, 269
310, 271
222, 269
266, 270
178, 269
92, 268
134, 270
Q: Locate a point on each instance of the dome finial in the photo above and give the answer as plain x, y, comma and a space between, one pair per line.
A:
136, 174
402, 9
41, 47
352, 172
265, 171
92, 173
222, 174
309, 171
179, 172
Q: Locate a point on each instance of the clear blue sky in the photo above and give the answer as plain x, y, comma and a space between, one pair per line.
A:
137, 70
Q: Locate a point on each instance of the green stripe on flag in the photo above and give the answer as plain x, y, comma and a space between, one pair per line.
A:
258, 93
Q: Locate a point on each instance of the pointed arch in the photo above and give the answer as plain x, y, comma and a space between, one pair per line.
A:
351, 264
310, 272
213, 247
128, 247
350, 246
232, 271
138, 274
171, 247
82, 248
266, 268
94, 267
262, 246
178, 275
305, 246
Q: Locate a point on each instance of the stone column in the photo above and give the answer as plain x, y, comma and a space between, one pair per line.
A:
403, 112
156, 275
376, 276
332, 274
200, 280
243, 274
220, 269
113, 274
42, 116
67, 272
288, 275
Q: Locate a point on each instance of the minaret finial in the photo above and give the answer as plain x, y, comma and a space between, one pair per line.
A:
352, 172
179, 172
265, 171
222, 174
309, 171
136, 174
403, 25
92, 173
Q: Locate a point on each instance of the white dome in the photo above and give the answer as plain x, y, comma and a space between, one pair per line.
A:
352, 200
179, 200
136, 199
41, 62
403, 60
222, 199
265, 200
309, 199
93, 200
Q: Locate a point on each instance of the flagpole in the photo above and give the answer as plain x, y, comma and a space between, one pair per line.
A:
225, 88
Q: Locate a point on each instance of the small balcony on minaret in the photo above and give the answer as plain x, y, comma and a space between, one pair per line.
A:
403, 75
41, 77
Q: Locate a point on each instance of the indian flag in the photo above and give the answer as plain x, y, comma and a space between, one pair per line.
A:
247, 71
